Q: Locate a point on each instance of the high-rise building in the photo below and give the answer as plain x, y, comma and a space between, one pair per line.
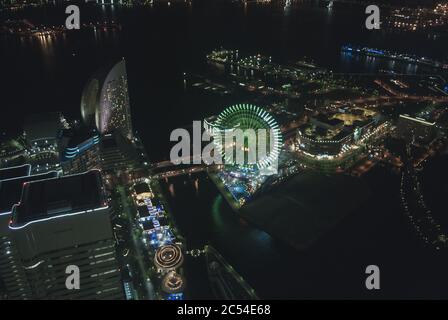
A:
60, 223
105, 101
15, 172
81, 155
110, 152
117, 153
11, 183
42, 136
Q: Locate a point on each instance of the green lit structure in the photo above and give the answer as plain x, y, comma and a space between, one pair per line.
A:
246, 117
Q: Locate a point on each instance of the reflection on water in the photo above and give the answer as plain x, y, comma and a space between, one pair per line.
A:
370, 64
196, 186
287, 8
171, 189
203, 216
216, 214
47, 46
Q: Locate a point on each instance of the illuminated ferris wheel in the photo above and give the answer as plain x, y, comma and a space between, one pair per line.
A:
249, 119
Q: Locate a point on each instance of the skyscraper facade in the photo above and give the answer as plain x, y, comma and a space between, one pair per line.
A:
11, 183
110, 152
60, 223
105, 101
82, 157
42, 133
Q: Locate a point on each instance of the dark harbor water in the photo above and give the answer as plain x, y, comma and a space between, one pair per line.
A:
160, 44
377, 233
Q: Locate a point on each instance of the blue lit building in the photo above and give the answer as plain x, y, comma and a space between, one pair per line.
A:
82, 156
107, 152
73, 152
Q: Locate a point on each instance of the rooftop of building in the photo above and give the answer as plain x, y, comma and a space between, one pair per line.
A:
59, 196
321, 134
42, 126
342, 124
143, 211
142, 188
81, 136
11, 190
354, 116
327, 119
15, 172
